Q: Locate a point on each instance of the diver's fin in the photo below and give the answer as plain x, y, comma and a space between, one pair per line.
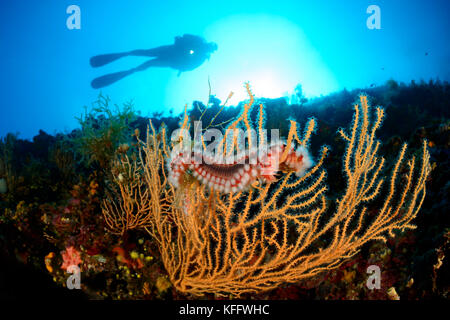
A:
102, 59
109, 79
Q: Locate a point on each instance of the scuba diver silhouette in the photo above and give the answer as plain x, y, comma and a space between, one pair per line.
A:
187, 53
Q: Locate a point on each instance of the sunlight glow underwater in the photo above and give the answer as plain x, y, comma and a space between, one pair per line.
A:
270, 52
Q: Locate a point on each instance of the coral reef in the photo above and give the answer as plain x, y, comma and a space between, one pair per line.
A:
57, 188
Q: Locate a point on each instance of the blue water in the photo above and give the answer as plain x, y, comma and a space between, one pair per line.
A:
323, 45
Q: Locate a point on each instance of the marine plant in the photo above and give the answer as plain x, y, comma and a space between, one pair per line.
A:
103, 129
7, 172
265, 232
64, 159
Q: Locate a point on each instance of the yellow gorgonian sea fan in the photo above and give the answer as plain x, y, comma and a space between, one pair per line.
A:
247, 240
